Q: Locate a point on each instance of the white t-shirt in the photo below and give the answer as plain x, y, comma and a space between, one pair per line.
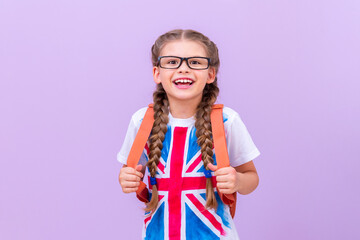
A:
181, 213
240, 145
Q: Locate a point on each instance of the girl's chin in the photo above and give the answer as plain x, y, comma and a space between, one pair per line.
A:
184, 97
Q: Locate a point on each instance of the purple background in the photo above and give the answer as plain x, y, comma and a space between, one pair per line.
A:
73, 72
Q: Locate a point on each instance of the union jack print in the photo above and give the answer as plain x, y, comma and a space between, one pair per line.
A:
181, 212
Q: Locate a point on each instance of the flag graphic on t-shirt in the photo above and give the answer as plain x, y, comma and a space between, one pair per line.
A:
182, 185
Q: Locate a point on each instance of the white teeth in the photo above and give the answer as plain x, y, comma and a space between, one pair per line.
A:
183, 81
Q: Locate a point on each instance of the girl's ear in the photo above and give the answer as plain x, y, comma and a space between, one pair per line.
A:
211, 75
156, 73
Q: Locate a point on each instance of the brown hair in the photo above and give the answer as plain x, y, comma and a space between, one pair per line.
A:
202, 116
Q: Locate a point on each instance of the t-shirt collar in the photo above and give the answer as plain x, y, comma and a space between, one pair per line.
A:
181, 122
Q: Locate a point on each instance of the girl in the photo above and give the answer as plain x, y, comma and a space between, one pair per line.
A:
185, 65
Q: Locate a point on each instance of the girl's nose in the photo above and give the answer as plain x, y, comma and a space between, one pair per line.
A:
184, 67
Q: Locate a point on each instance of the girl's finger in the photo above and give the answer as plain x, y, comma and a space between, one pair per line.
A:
138, 167
132, 178
222, 178
224, 171
134, 172
226, 191
131, 184
212, 167
129, 190
223, 185
223, 190
130, 170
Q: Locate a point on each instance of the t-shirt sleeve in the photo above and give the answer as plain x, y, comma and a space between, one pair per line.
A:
240, 145
128, 141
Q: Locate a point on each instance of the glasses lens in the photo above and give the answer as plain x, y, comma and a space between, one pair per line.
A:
170, 62
198, 63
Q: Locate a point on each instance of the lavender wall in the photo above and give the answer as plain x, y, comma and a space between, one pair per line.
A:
73, 72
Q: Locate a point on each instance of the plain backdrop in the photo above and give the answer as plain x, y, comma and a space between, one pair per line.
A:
73, 72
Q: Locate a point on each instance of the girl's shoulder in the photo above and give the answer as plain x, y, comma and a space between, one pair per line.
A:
229, 115
138, 116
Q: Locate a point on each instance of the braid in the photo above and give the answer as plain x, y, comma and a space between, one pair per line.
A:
161, 111
204, 135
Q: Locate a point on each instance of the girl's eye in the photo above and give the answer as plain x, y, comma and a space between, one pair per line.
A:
194, 62
172, 62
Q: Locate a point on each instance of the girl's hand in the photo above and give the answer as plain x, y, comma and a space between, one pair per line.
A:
129, 178
228, 179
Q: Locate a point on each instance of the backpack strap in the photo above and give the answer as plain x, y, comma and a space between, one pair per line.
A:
137, 148
222, 156
219, 139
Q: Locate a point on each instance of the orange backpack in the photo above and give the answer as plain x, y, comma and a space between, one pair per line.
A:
219, 139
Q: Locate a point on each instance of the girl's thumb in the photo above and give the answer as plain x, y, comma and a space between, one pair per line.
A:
212, 167
138, 167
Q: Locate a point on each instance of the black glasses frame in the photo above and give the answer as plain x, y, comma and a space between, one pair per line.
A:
181, 60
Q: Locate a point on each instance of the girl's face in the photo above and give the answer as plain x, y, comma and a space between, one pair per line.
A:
169, 78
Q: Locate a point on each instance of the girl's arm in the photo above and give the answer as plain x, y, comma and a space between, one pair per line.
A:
247, 178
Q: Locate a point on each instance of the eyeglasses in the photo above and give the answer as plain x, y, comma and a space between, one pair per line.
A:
173, 62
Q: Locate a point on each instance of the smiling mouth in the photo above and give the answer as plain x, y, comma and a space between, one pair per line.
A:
183, 82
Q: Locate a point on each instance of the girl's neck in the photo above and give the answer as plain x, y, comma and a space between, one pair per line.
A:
181, 109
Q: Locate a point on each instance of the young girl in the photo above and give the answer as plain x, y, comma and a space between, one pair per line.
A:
185, 65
